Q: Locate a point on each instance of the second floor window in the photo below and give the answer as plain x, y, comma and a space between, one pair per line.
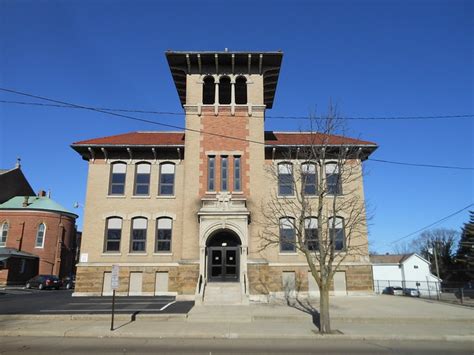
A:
287, 235
166, 187
308, 177
164, 227
113, 234
3, 234
336, 232
117, 179
211, 173
40, 234
138, 240
311, 233
285, 179
237, 174
224, 173
142, 179
333, 179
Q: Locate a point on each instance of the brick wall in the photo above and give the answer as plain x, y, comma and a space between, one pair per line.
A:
55, 258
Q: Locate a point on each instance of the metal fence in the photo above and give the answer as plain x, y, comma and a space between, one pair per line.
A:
447, 292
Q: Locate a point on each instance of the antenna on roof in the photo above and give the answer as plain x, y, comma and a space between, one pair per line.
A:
18, 163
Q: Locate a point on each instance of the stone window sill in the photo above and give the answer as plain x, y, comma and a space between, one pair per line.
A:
111, 254
288, 254
163, 254
137, 254
166, 197
116, 196
141, 197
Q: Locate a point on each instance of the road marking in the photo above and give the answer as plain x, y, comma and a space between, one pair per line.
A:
166, 306
131, 302
103, 310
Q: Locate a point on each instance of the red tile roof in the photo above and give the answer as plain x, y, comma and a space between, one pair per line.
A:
138, 138
177, 138
308, 138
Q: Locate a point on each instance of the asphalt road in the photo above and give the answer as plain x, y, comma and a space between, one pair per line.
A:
48, 345
21, 301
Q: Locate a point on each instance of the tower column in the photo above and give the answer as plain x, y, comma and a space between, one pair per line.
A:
216, 99
232, 97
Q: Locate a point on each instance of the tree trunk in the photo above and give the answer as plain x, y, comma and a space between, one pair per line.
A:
324, 321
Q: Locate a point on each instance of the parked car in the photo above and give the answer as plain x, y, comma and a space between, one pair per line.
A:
43, 282
395, 291
467, 291
69, 282
412, 292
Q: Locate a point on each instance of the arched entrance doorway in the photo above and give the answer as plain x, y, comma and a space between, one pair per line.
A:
223, 256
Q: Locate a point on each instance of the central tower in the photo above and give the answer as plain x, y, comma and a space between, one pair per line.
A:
224, 95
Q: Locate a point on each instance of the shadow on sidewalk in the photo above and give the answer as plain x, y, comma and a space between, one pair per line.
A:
133, 318
306, 307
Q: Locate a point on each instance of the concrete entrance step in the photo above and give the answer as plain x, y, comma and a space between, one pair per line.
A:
223, 293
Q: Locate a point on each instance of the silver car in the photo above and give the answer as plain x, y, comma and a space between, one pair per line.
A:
412, 292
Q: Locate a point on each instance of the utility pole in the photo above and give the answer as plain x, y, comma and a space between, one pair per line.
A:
436, 258
437, 268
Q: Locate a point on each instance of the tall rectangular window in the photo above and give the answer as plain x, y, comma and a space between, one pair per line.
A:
285, 179
237, 174
308, 175
113, 234
163, 234
311, 234
167, 172
117, 179
211, 173
287, 235
224, 173
142, 179
333, 179
138, 241
336, 232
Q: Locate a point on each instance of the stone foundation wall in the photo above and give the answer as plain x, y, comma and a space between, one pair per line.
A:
265, 279
181, 279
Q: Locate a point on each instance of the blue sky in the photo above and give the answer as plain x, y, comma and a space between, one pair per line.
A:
374, 58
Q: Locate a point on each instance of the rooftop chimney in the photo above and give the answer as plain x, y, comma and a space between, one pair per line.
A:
41, 193
25, 202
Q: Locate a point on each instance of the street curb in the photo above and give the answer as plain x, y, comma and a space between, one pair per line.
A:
315, 336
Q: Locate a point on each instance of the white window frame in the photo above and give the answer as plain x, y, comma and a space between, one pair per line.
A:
4, 234
37, 235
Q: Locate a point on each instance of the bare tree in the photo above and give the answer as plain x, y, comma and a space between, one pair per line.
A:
404, 248
442, 241
318, 208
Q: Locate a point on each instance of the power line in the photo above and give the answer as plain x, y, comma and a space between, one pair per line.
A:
67, 104
394, 118
432, 224
421, 165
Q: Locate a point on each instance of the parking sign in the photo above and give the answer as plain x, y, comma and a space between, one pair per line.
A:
115, 277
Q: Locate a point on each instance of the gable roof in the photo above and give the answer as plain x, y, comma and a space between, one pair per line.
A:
157, 138
389, 259
34, 203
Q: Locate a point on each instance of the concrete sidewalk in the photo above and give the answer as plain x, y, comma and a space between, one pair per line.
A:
377, 317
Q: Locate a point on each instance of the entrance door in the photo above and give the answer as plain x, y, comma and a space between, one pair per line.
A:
223, 264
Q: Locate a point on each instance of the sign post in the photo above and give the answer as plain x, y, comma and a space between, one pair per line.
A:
114, 284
